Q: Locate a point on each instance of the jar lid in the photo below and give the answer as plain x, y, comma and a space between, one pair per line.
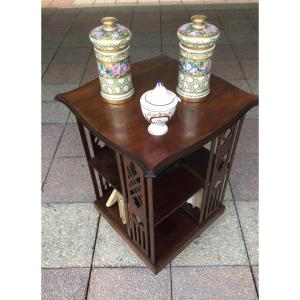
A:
160, 95
198, 33
110, 35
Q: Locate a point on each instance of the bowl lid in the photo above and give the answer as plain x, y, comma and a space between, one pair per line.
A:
109, 30
160, 95
198, 29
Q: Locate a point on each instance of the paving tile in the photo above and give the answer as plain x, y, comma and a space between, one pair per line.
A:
220, 244
44, 68
246, 51
49, 91
142, 53
250, 68
170, 39
64, 73
248, 215
72, 118
77, 41
114, 9
244, 177
236, 37
237, 25
68, 234
142, 26
54, 112
248, 141
45, 165
90, 72
175, 15
174, 7
129, 283
59, 29
152, 8
82, 29
223, 52
210, 14
253, 85
255, 270
68, 181
62, 18
242, 84
51, 134
171, 26
47, 55
223, 39
146, 39
89, 17
52, 41
64, 284
70, 144
213, 283
111, 250
253, 113
171, 51
231, 14
228, 70
72, 55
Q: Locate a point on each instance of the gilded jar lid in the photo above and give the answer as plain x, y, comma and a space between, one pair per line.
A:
198, 33
110, 36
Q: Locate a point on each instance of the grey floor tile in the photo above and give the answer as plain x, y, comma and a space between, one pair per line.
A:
248, 141
246, 51
174, 7
171, 51
250, 68
228, 15
220, 244
242, 84
223, 52
111, 250
90, 72
59, 29
70, 144
49, 91
68, 181
76, 41
47, 55
83, 29
248, 215
254, 85
223, 39
44, 68
62, 18
64, 73
241, 25
244, 177
46, 161
237, 37
146, 39
68, 234
129, 283
72, 55
64, 284
253, 113
228, 70
51, 134
169, 39
52, 41
88, 17
213, 283
255, 270
142, 26
142, 53
54, 112
171, 26
174, 15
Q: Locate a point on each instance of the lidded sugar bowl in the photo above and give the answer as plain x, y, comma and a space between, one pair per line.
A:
197, 43
158, 107
111, 45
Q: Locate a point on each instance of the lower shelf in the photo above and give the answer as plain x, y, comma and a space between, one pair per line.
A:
171, 236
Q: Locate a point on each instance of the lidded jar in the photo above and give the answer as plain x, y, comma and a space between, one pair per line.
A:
197, 43
111, 45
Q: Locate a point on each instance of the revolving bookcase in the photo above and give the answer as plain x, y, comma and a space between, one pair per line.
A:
156, 175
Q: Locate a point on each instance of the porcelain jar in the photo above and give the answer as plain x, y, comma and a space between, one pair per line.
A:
197, 43
111, 45
158, 107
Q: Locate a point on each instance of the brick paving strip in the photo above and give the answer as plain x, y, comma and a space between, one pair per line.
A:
82, 257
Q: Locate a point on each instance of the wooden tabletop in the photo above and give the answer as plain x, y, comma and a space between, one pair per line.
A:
123, 127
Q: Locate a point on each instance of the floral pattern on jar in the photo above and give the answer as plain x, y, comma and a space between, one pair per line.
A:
195, 68
205, 30
113, 70
120, 32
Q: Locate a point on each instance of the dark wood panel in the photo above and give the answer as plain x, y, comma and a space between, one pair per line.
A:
124, 128
105, 163
172, 189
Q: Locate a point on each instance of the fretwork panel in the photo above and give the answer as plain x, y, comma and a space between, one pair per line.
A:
137, 206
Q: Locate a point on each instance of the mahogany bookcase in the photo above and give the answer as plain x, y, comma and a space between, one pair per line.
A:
157, 174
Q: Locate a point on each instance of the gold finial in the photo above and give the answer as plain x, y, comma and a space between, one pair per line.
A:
198, 20
109, 23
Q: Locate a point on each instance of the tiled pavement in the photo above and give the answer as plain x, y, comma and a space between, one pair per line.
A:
81, 255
